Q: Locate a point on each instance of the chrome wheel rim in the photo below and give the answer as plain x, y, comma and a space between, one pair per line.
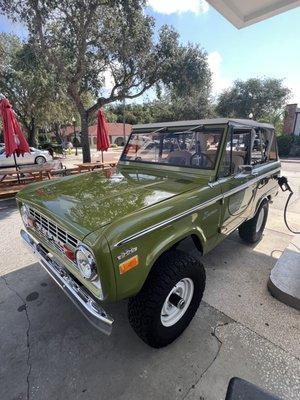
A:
40, 160
260, 219
170, 313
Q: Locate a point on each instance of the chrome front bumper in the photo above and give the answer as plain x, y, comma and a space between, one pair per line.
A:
79, 296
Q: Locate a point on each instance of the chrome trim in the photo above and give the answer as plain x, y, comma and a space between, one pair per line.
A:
249, 183
51, 231
195, 208
169, 220
91, 309
85, 250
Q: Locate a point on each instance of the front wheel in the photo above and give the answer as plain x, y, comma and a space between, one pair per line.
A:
169, 299
251, 231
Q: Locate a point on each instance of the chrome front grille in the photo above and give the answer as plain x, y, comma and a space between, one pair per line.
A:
52, 232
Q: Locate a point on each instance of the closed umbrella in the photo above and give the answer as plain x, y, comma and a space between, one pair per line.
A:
102, 133
14, 139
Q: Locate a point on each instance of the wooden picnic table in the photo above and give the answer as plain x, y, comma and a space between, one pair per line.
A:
93, 165
35, 171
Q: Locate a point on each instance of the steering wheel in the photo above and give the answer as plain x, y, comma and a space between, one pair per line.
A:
201, 160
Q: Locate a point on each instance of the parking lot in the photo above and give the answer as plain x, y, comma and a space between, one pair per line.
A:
49, 351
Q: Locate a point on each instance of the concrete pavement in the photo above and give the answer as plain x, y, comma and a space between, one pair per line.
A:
49, 351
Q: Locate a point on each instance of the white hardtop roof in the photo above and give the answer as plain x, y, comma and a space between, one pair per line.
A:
244, 13
194, 123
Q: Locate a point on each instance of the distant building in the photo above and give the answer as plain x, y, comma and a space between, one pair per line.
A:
291, 124
115, 133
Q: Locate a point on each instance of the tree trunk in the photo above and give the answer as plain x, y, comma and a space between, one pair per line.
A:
32, 133
86, 153
57, 133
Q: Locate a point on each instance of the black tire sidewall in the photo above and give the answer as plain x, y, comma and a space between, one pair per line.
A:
144, 310
167, 333
248, 229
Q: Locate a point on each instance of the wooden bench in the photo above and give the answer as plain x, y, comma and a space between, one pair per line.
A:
93, 165
36, 172
10, 191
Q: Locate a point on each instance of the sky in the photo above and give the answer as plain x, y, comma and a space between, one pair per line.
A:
267, 49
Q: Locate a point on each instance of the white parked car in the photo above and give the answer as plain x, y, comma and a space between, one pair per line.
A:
35, 157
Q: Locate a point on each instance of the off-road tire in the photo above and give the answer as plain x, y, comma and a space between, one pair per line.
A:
248, 231
144, 310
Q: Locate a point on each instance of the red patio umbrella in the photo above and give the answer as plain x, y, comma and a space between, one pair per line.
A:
102, 133
14, 139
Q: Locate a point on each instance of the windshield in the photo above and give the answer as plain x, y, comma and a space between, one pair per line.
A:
195, 149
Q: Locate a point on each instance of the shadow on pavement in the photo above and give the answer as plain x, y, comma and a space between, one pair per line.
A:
42, 332
49, 350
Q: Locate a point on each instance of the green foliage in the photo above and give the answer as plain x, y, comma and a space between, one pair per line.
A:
260, 97
164, 109
276, 118
82, 42
284, 143
36, 94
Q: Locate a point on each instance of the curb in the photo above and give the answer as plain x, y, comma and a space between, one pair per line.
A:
284, 280
290, 160
283, 296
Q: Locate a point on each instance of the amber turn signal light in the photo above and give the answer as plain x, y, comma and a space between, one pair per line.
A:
128, 264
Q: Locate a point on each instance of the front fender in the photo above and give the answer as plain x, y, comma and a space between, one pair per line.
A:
149, 247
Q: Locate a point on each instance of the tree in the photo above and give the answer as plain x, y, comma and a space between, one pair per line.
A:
36, 95
84, 40
260, 97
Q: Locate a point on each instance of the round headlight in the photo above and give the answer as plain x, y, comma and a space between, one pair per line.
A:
25, 214
86, 263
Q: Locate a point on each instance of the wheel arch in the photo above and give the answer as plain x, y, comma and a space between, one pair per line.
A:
261, 200
196, 237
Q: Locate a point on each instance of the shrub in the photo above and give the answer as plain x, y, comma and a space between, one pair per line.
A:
285, 143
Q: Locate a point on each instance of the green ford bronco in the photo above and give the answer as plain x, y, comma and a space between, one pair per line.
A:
106, 238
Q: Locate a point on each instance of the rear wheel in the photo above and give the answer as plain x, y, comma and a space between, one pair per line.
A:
251, 231
40, 160
169, 299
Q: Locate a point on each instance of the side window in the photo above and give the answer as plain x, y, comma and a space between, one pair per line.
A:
236, 153
263, 147
256, 150
273, 149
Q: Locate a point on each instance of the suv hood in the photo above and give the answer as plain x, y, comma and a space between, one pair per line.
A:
89, 201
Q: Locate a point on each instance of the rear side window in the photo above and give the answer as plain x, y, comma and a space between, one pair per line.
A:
263, 147
237, 152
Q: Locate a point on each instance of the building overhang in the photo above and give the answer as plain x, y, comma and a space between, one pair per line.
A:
245, 13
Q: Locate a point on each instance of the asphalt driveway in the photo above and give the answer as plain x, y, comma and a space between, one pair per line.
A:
49, 351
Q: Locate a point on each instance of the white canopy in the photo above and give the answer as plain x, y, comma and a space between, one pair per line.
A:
242, 13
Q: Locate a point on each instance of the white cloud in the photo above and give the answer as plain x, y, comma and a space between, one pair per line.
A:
219, 82
179, 6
